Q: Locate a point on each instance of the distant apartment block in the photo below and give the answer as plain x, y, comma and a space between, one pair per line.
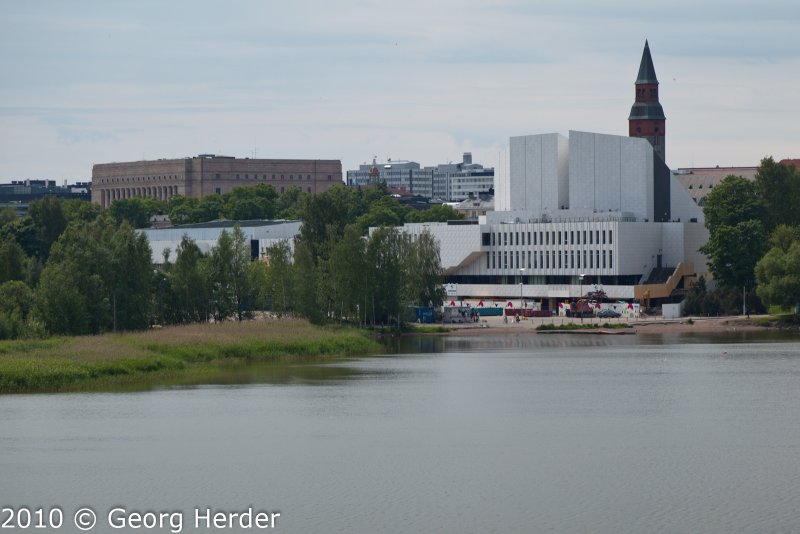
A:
208, 174
447, 182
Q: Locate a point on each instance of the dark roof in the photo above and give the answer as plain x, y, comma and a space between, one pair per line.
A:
647, 72
646, 110
223, 223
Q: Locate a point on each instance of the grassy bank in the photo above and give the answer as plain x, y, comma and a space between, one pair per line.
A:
174, 354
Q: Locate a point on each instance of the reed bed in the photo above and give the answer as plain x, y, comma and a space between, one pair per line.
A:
79, 363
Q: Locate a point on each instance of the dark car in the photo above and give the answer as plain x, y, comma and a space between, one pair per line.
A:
609, 314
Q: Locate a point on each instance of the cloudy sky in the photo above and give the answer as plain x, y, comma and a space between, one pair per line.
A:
96, 81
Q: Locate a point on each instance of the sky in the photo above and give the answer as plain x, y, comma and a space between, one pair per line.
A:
89, 82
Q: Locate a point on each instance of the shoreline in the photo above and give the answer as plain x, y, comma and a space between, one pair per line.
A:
704, 325
177, 354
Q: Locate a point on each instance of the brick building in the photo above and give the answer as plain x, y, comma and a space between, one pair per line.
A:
208, 174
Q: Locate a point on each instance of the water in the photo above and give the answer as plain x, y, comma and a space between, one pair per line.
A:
540, 433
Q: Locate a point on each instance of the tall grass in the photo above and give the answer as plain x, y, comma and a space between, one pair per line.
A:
79, 362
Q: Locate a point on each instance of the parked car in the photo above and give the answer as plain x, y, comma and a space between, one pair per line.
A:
609, 314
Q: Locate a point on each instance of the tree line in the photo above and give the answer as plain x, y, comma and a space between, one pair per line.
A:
70, 267
754, 243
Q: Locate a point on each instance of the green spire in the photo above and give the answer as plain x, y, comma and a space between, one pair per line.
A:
647, 72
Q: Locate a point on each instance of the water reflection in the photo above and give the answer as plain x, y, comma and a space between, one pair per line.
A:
534, 341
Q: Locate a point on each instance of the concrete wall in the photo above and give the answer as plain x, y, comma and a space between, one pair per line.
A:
610, 173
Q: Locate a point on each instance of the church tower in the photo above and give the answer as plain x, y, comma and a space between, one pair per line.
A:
647, 118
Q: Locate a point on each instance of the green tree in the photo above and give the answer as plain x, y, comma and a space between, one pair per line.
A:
15, 303
100, 272
13, 261
209, 208
439, 213
425, 273
737, 236
387, 282
49, 222
279, 278
228, 274
778, 188
186, 295
137, 211
182, 210
778, 272
80, 211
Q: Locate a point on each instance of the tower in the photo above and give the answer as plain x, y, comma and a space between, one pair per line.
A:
647, 118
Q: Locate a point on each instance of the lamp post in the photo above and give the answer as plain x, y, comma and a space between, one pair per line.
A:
580, 295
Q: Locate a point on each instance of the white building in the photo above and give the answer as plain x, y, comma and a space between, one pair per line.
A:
451, 182
259, 234
592, 210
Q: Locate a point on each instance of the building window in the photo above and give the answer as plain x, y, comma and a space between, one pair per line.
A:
604, 259
330, 177
505, 239
584, 237
218, 190
529, 259
610, 260
571, 259
217, 176
516, 257
487, 260
309, 189
591, 241
591, 260
237, 176
505, 260
597, 258
559, 255
281, 189
609, 237
281, 177
273, 176
246, 176
584, 259
604, 237
559, 238
529, 238
572, 237
309, 177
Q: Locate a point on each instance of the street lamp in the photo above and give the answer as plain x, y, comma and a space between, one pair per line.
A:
580, 295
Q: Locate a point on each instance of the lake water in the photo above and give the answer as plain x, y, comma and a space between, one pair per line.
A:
528, 434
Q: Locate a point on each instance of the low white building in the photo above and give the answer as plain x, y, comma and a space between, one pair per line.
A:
571, 214
260, 235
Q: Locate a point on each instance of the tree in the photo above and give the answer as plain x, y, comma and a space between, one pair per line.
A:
778, 187
778, 272
49, 222
15, 303
228, 274
439, 213
186, 295
386, 283
278, 282
737, 237
13, 261
733, 201
425, 274
137, 211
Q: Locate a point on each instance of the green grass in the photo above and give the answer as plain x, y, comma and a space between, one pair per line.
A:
172, 354
430, 330
789, 320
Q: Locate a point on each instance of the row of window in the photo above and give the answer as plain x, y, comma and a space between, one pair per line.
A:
138, 179
565, 237
554, 259
218, 176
